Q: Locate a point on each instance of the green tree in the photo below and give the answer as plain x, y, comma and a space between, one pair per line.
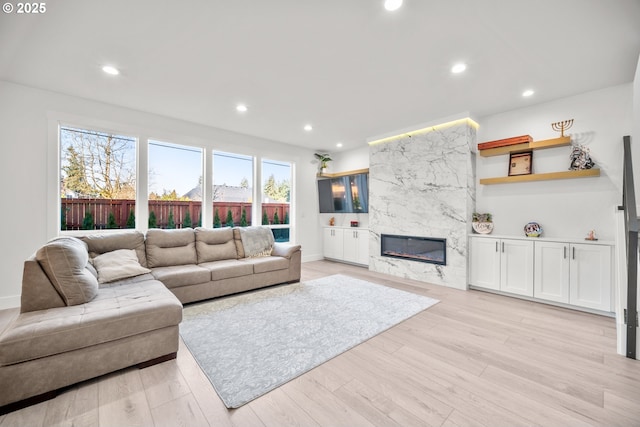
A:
111, 222
265, 218
244, 182
276, 220
286, 217
200, 219
97, 164
131, 220
186, 222
153, 221
216, 220
243, 218
229, 222
87, 221
63, 218
277, 191
171, 223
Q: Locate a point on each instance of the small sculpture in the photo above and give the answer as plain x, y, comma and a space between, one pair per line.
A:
332, 221
580, 158
591, 235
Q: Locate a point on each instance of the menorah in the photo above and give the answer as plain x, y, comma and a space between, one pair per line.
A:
562, 126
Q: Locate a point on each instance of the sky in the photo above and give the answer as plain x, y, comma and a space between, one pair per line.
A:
179, 167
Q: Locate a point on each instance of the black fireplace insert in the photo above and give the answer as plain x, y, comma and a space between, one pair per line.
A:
414, 248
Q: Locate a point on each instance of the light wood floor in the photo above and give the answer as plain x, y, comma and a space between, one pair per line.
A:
474, 359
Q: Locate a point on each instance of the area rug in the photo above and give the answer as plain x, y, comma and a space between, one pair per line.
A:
251, 343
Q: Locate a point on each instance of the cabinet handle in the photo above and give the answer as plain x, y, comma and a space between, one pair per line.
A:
573, 253
496, 246
565, 252
502, 247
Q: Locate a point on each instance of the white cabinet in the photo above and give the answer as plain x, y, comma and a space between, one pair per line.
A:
574, 273
502, 264
334, 243
347, 244
551, 272
577, 274
356, 246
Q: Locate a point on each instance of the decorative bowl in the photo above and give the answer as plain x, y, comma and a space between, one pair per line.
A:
532, 229
482, 227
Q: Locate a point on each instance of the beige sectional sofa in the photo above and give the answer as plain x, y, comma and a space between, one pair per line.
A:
103, 302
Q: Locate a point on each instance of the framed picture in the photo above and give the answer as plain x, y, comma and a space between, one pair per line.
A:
520, 163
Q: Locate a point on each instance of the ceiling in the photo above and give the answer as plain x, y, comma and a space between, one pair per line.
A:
348, 67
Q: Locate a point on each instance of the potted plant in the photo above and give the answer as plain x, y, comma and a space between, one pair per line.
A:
323, 159
482, 223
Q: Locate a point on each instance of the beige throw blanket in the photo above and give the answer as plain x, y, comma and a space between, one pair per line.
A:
257, 241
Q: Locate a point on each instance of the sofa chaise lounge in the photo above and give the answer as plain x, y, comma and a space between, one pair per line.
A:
103, 302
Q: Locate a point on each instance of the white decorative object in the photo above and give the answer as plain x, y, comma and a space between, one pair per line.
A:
482, 227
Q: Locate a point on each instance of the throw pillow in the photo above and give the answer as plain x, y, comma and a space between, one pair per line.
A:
64, 261
118, 264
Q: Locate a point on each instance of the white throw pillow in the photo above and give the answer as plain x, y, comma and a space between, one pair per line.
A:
116, 265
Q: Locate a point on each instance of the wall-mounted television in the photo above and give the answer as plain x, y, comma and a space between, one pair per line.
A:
345, 194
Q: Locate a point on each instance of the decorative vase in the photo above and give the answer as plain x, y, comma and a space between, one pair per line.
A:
532, 229
482, 227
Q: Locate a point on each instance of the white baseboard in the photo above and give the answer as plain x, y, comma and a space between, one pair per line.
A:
309, 258
9, 302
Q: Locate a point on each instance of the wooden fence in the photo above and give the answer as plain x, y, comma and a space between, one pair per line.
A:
73, 212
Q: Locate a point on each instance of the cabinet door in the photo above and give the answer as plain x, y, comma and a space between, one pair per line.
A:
590, 283
551, 271
363, 246
333, 243
484, 263
516, 267
351, 245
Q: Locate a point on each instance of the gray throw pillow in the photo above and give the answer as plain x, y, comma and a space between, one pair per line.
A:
64, 261
119, 264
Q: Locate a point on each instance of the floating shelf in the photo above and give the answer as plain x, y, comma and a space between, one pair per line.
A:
338, 174
527, 146
584, 173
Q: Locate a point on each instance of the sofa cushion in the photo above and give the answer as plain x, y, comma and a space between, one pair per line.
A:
213, 244
226, 269
98, 244
256, 241
116, 312
268, 263
118, 264
64, 261
171, 247
181, 275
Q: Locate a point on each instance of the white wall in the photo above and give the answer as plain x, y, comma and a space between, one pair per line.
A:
564, 208
24, 118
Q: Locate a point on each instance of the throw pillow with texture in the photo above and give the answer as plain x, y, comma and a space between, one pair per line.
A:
64, 261
118, 264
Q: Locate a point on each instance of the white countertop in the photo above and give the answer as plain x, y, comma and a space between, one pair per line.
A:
545, 239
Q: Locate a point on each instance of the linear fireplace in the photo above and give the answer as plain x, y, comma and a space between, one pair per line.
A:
423, 249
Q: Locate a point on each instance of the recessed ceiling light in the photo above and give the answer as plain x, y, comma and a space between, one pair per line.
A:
308, 128
241, 108
527, 93
458, 68
339, 145
110, 70
392, 5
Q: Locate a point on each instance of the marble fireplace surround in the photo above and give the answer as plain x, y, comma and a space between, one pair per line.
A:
422, 183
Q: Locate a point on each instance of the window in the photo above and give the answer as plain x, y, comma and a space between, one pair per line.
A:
276, 197
97, 179
175, 185
232, 189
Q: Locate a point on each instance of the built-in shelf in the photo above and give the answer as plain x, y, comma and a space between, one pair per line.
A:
542, 176
527, 146
338, 174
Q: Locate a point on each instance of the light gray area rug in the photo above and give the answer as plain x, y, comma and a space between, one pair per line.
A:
251, 343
